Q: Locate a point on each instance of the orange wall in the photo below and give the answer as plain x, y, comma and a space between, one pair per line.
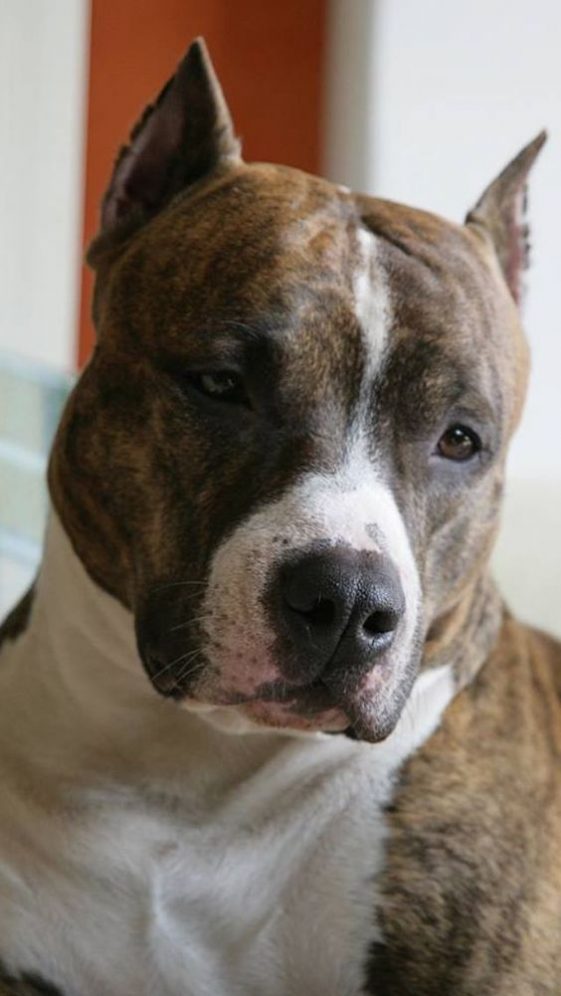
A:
269, 57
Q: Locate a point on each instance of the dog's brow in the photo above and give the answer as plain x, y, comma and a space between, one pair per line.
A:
232, 338
462, 390
229, 340
256, 332
462, 395
249, 331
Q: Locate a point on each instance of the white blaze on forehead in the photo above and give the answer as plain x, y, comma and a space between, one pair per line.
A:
372, 299
352, 506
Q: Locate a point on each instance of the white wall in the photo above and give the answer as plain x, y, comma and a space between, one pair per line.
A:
450, 93
350, 81
43, 65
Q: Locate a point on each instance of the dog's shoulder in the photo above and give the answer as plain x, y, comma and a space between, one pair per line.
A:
546, 655
472, 881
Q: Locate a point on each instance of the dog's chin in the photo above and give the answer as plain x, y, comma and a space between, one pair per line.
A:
288, 716
313, 709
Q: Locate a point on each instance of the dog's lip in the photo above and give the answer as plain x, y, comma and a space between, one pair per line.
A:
281, 691
311, 699
314, 695
307, 706
317, 699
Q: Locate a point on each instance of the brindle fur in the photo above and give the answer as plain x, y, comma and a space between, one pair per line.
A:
253, 264
472, 885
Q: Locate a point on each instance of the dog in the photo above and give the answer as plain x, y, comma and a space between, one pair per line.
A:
267, 725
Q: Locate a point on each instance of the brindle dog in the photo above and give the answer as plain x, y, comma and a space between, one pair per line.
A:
284, 461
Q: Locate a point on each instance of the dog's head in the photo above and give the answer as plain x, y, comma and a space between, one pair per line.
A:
286, 453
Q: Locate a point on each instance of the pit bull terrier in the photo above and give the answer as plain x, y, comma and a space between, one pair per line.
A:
267, 727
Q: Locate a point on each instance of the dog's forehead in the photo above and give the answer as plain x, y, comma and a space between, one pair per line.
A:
301, 226
275, 248
269, 234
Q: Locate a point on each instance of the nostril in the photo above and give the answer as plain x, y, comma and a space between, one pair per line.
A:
322, 613
381, 621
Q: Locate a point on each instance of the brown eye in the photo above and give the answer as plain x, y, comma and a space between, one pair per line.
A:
459, 443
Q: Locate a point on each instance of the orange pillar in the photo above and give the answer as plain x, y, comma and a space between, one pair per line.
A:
269, 57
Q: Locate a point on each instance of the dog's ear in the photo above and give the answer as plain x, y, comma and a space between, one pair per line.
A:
501, 214
184, 135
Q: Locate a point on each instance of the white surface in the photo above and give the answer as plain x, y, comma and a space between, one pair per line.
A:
348, 125
528, 555
43, 63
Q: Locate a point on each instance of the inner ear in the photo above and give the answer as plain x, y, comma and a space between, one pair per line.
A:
501, 214
184, 135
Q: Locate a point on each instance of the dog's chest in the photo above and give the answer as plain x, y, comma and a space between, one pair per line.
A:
269, 891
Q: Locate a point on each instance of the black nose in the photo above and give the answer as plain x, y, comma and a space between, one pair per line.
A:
340, 607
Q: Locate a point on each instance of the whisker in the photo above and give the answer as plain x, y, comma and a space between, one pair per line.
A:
178, 660
189, 622
185, 657
178, 584
188, 672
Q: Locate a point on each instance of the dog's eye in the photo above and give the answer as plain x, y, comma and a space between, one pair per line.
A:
221, 385
459, 443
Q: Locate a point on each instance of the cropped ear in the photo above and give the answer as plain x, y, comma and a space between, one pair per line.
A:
501, 214
184, 135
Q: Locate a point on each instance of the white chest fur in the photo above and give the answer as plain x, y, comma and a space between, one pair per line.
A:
143, 851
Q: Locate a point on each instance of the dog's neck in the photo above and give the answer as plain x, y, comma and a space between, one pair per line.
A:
464, 636
87, 634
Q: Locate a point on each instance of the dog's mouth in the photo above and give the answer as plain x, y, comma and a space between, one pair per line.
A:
307, 708
313, 707
362, 702
314, 695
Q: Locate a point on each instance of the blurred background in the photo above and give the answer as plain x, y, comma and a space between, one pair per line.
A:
420, 102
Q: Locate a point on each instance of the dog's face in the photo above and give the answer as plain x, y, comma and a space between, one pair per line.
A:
286, 453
